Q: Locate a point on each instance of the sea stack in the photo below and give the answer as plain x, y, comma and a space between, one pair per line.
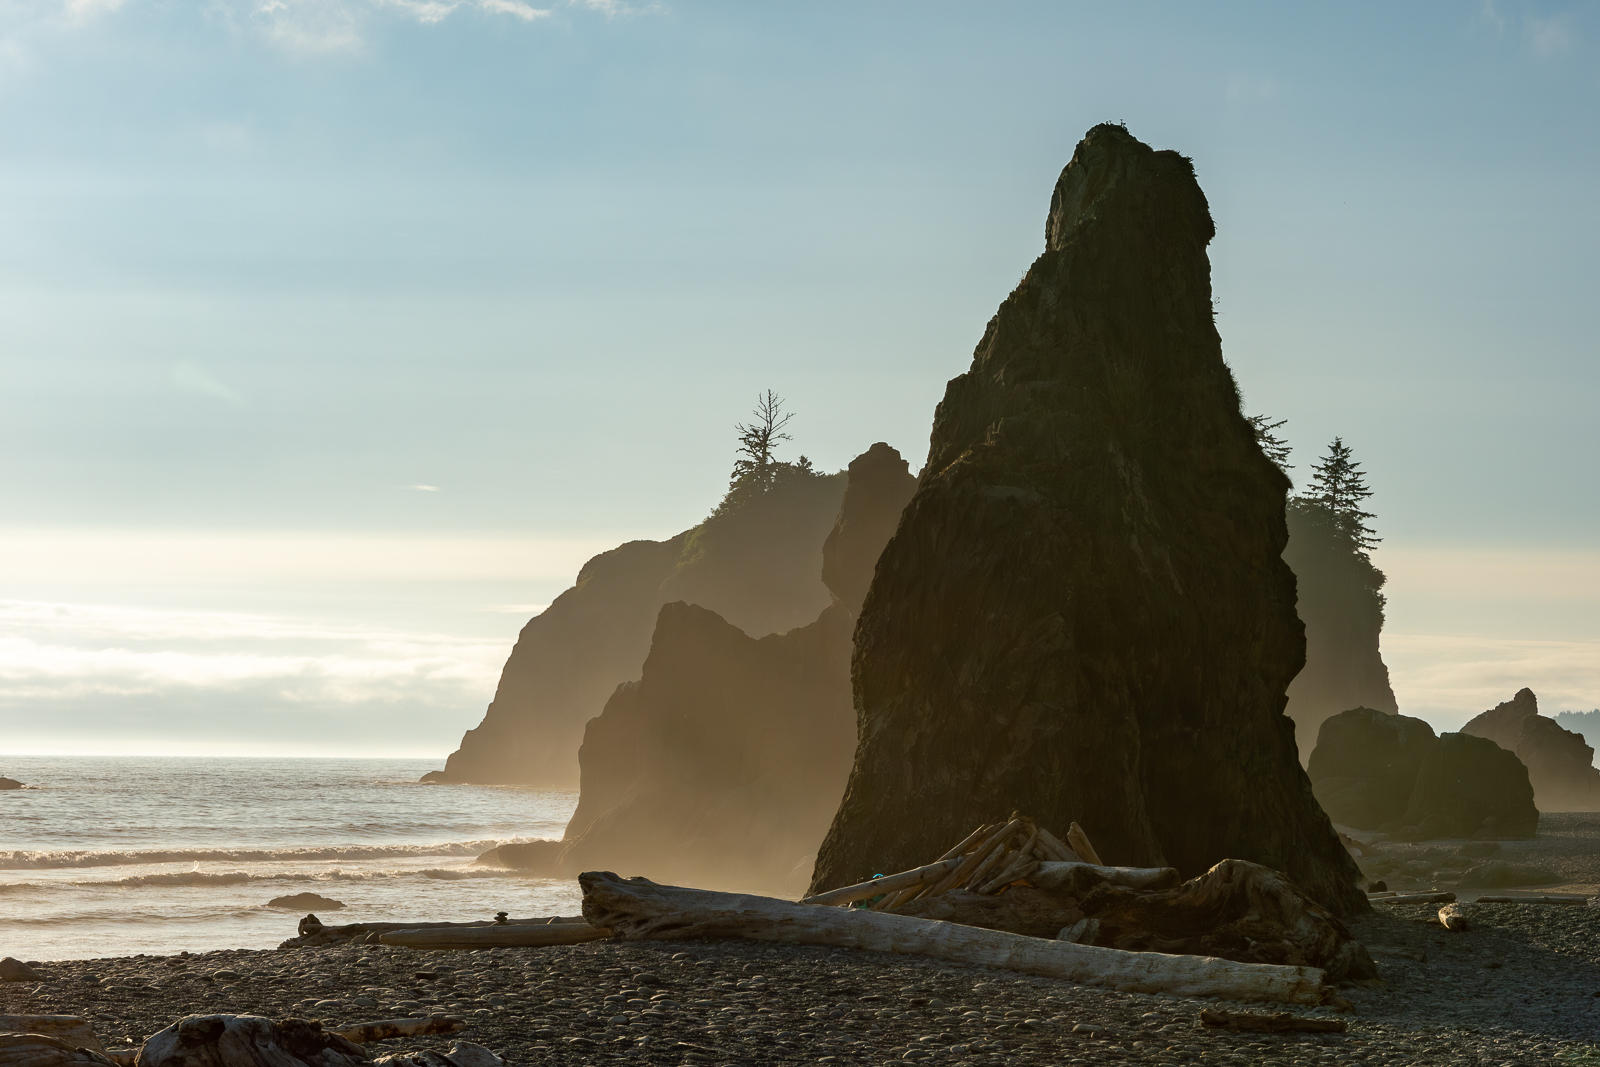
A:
1084, 614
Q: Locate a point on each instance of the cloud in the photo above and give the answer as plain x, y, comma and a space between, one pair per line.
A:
1548, 36
1447, 679
194, 379
423, 488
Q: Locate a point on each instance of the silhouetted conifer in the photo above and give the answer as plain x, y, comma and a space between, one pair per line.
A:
1339, 487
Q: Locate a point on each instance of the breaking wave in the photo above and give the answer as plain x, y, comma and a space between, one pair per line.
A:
39, 860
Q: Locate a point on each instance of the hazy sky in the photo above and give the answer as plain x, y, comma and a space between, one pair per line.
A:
337, 334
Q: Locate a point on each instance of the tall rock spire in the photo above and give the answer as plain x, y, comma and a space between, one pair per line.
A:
1084, 613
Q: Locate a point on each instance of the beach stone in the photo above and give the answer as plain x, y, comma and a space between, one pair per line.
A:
14, 970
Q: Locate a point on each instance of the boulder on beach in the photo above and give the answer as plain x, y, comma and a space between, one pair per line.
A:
1365, 763
14, 970
303, 901
1084, 613
1501, 875
1469, 787
10, 783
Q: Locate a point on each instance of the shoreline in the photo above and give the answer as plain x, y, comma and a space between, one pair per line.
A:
1522, 987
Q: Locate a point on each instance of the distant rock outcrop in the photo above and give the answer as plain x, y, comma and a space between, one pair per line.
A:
1375, 771
10, 783
1084, 613
756, 565
1560, 762
724, 763
1341, 602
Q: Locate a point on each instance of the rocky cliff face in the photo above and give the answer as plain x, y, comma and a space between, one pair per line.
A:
1364, 767
724, 763
758, 565
1341, 603
1560, 762
1084, 613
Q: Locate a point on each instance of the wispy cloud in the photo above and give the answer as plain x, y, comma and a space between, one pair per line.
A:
1447, 679
1250, 88
195, 379
423, 488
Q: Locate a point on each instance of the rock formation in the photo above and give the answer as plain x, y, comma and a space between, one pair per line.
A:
1560, 762
724, 763
1341, 603
756, 565
1084, 613
1375, 771
1469, 786
1365, 764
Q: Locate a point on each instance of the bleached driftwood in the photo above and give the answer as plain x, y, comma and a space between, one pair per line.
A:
461, 1054
1416, 898
1076, 879
1453, 917
509, 935
1079, 841
1534, 900
889, 884
385, 1029
45, 1050
70, 1028
637, 909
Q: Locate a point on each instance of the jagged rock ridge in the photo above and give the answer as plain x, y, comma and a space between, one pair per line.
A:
1084, 613
1560, 762
724, 763
757, 566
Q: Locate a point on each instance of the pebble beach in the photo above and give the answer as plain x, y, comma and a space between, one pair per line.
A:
1520, 988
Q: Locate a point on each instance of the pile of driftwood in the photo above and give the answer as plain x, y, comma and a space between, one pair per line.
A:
1020, 878
986, 861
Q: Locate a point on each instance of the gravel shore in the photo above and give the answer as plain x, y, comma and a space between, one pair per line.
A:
1522, 987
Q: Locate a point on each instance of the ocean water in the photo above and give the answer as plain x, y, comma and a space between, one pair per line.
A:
114, 856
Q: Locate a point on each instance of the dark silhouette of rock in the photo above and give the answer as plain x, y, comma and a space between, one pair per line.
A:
1084, 613
10, 783
879, 488
1341, 603
756, 564
1560, 762
1365, 765
1469, 786
724, 763
306, 900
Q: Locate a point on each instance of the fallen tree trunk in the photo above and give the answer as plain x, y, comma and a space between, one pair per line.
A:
638, 909
70, 1028
1416, 898
1238, 911
1534, 900
46, 1050
890, 884
384, 1029
508, 935
1076, 879
1281, 1023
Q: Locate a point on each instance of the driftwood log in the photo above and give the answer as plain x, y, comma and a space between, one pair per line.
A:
73, 1029
46, 1050
507, 935
1238, 911
1077, 879
638, 909
385, 1029
1535, 900
1019, 910
1279, 1023
1415, 898
889, 884
461, 1054
1453, 917
313, 933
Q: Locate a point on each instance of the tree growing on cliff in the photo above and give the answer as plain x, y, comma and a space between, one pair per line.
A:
758, 440
1339, 488
1272, 446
